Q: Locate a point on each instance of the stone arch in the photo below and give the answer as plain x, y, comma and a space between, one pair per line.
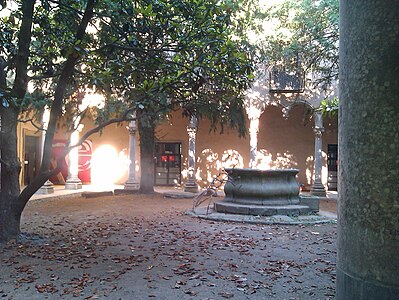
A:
285, 141
288, 108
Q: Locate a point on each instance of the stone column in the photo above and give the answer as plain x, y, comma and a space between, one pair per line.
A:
47, 187
368, 182
253, 141
318, 188
191, 184
0, 155
132, 183
73, 182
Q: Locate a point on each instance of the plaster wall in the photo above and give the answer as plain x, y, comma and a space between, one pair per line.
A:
282, 143
213, 150
110, 150
289, 142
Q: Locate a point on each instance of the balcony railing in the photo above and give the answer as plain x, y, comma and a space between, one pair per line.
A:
282, 81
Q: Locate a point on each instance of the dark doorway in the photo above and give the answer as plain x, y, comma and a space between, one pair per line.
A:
168, 164
332, 166
31, 158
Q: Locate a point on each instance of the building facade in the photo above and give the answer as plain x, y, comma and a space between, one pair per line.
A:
285, 130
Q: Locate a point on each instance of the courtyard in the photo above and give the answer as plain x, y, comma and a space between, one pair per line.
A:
146, 247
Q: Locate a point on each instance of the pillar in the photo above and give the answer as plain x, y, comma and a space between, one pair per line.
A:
47, 187
368, 182
253, 141
0, 155
191, 184
318, 188
73, 182
132, 183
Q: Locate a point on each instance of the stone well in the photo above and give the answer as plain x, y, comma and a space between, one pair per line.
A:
262, 193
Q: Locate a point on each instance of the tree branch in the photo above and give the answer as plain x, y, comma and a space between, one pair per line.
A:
56, 108
24, 40
31, 121
44, 175
59, 95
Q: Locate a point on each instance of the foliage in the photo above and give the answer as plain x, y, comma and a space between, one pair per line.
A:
53, 39
329, 106
150, 56
304, 32
173, 54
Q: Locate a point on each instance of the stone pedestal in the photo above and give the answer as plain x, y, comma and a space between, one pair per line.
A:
132, 183
47, 188
368, 181
191, 184
318, 188
73, 183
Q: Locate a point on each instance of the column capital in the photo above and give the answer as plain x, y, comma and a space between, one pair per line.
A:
191, 132
318, 127
192, 122
132, 131
132, 128
286, 112
318, 131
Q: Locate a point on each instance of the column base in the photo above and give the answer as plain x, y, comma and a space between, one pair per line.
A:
132, 186
349, 287
318, 190
73, 185
191, 187
47, 188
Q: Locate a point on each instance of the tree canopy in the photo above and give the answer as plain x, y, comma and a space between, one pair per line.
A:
145, 56
301, 33
174, 54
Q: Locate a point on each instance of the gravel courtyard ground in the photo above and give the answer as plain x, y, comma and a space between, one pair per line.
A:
145, 247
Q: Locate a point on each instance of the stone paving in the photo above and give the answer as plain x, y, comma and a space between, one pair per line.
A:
147, 247
203, 212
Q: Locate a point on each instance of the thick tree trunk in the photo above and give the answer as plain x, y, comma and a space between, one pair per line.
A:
147, 151
9, 224
12, 203
10, 208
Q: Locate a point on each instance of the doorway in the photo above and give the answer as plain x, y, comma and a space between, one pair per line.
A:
167, 164
332, 166
31, 158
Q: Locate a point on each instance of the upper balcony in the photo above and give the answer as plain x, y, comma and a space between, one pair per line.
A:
282, 80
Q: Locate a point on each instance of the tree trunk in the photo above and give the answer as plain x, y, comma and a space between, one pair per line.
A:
10, 208
12, 203
147, 150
